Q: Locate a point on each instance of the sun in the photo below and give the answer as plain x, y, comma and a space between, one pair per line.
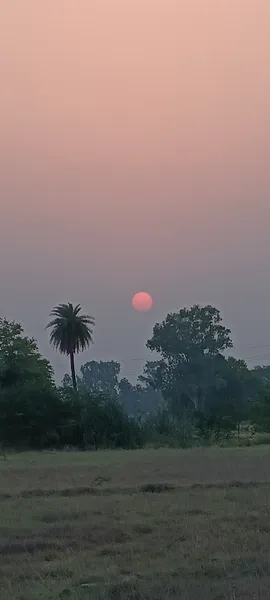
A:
142, 302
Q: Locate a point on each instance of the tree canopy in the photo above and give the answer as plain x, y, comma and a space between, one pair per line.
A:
190, 333
100, 376
20, 359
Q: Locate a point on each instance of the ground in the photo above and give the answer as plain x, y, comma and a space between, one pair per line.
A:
139, 525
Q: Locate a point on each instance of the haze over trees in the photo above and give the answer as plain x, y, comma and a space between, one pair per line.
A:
194, 393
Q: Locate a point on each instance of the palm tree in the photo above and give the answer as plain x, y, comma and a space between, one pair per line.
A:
71, 332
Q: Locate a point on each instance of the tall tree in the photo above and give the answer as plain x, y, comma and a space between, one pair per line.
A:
188, 341
71, 332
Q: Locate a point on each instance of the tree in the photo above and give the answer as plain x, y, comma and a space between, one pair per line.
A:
128, 397
100, 377
28, 397
153, 373
20, 359
262, 374
192, 332
189, 342
71, 332
228, 398
260, 412
138, 400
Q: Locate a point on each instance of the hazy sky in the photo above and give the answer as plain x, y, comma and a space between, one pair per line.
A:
134, 154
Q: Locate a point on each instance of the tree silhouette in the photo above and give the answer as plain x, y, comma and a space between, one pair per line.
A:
71, 332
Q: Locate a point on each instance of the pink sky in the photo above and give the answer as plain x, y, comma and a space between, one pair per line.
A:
134, 154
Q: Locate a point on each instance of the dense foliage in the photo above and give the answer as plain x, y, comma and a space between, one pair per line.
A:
194, 392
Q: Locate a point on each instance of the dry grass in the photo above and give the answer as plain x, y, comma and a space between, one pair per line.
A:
142, 525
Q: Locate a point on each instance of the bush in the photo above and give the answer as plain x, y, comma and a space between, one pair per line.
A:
98, 421
165, 430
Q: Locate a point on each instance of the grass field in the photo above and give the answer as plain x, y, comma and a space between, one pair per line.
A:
140, 525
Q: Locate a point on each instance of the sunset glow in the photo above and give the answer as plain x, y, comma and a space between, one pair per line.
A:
135, 147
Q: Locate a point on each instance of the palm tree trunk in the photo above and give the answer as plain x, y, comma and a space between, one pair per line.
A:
72, 368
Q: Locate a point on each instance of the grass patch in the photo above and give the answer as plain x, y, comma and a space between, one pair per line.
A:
171, 524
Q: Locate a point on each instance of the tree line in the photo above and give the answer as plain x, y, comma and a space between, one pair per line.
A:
194, 393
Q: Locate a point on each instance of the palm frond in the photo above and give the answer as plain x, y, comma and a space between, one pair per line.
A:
70, 331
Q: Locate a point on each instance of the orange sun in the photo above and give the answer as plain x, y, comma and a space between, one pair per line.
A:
142, 302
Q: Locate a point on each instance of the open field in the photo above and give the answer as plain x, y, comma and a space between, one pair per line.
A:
139, 525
